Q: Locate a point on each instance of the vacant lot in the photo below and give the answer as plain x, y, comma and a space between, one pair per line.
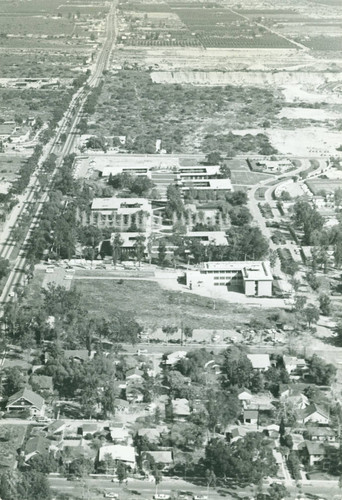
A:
9, 166
155, 307
11, 438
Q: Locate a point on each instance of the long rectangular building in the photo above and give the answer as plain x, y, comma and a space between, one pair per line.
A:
253, 277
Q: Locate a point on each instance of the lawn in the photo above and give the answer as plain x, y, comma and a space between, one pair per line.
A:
327, 185
11, 438
248, 178
155, 307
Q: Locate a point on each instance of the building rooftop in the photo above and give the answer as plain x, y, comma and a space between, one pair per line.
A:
118, 452
30, 396
121, 205
259, 361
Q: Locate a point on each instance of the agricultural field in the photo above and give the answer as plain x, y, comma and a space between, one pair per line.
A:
38, 26
188, 119
324, 43
11, 438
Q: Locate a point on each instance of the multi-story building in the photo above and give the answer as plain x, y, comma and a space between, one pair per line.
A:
254, 278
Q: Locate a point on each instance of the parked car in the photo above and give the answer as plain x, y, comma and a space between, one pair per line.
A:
161, 496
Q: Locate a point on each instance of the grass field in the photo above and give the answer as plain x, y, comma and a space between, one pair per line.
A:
11, 438
328, 185
35, 25
248, 178
155, 307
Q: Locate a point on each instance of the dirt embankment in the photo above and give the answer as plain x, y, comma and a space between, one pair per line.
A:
246, 78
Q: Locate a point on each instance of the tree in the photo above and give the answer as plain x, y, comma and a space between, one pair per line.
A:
311, 314
14, 381
139, 247
236, 368
81, 467
116, 248
34, 486
325, 304
121, 472
320, 372
277, 491
161, 253
4, 267
213, 158
308, 218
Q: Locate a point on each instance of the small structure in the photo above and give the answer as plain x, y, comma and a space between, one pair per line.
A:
56, 428
172, 358
180, 408
134, 375
323, 434
250, 416
25, 399
260, 362
42, 383
121, 405
314, 452
161, 458
119, 435
120, 452
245, 396
89, 429
151, 433
294, 365
314, 413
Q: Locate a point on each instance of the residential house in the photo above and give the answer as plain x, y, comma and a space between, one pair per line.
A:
56, 428
294, 366
80, 355
314, 413
120, 452
180, 408
250, 416
134, 375
119, 434
314, 452
162, 458
173, 358
151, 433
37, 445
121, 405
235, 433
25, 399
260, 362
245, 396
325, 434
89, 429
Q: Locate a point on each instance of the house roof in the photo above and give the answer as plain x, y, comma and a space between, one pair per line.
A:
150, 433
180, 406
250, 414
118, 452
118, 433
37, 444
30, 396
175, 356
321, 431
313, 408
315, 448
88, 428
161, 457
134, 372
81, 354
244, 392
121, 402
259, 361
56, 426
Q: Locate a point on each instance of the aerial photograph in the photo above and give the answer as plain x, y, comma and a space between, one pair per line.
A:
171, 249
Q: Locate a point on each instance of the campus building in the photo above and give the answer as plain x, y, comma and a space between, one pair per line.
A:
253, 278
121, 214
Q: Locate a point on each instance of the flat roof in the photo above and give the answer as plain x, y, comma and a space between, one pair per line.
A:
122, 205
251, 270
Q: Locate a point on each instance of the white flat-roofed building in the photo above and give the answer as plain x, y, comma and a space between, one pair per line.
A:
209, 184
207, 237
121, 214
254, 276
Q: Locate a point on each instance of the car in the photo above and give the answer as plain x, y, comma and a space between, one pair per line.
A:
142, 351
110, 494
68, 277
200, 497
161, 496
